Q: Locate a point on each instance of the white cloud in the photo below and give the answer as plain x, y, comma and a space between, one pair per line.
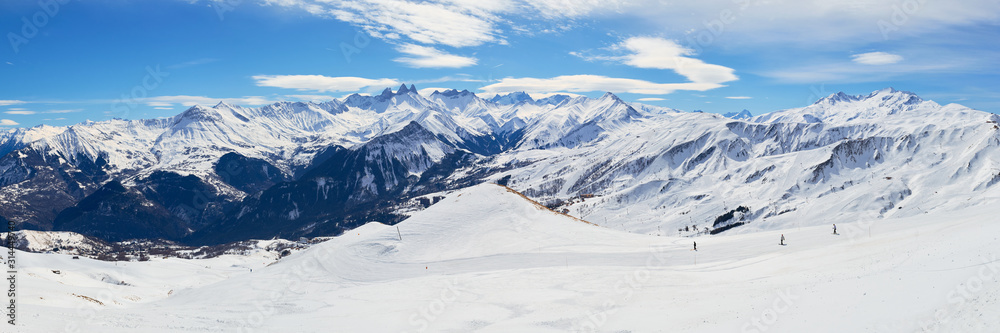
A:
8, 122
557, 9
429, 91
739, 97
187, 100
456, 23
660, 53
642, 52
449, 78
850, 72
22, 111
589, 83
429, 57
537, 96
311, 98
321, 83
700, 24
651, 99
10, 102
159, 104
876, 58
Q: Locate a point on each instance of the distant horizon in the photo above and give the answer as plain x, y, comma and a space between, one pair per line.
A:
425, 93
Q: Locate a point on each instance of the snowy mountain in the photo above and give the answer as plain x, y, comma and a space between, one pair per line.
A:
512, 98
742, 115
226, 173
875, 156
842, 108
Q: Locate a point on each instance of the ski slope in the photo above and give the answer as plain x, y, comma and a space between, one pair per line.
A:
486, 259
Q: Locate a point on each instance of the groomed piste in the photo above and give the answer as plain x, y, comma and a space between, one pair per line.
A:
487, 259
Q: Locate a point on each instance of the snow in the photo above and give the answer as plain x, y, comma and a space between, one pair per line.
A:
486, 259
41, 241
659, 172
654, 169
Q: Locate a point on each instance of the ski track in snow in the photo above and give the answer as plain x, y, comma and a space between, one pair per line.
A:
484, 259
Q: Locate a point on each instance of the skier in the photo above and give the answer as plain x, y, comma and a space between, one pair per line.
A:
696, 246
782, 240
834, 228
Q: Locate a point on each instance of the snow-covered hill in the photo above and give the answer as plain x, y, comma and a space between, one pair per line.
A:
487, 259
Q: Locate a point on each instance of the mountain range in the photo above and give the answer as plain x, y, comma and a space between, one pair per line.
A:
227, 173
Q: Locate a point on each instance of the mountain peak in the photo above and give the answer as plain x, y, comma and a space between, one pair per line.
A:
402, 89
512, 98
892, 93
837, 98
887, 94
200, 113
386, 93
742, 115
553, 100
612, 96
452, 93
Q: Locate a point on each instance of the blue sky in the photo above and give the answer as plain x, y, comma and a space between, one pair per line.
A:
67, 61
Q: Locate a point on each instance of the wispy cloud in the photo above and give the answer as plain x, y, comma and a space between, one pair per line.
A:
311, 98
429, 57
456, 23
876, 58
429, 91
63, 111
651, 99
660, 53
449, 78
22, 111
321, 83
188, 100
11, 102
851, 72
739, 97
8, 122
589, 83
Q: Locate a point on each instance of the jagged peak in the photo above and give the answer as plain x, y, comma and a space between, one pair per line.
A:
884, 94
223, 104
611, 96
512, 98
200, 113
385, 93
892, 93
554, 99
837, 97
452, 93
745, 114
402, 89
